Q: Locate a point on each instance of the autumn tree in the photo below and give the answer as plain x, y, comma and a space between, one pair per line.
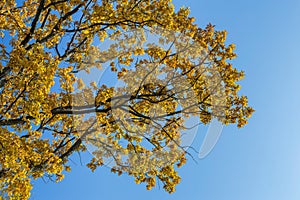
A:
48, 111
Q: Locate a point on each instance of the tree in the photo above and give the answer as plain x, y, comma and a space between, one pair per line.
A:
45, 113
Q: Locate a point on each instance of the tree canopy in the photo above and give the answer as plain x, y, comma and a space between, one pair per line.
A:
48, 111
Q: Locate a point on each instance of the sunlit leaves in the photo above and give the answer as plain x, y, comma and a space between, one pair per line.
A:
138, 124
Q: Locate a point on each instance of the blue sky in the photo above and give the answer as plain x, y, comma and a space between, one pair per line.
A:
260, 161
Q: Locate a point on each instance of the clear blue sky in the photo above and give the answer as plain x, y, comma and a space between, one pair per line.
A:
258, 162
